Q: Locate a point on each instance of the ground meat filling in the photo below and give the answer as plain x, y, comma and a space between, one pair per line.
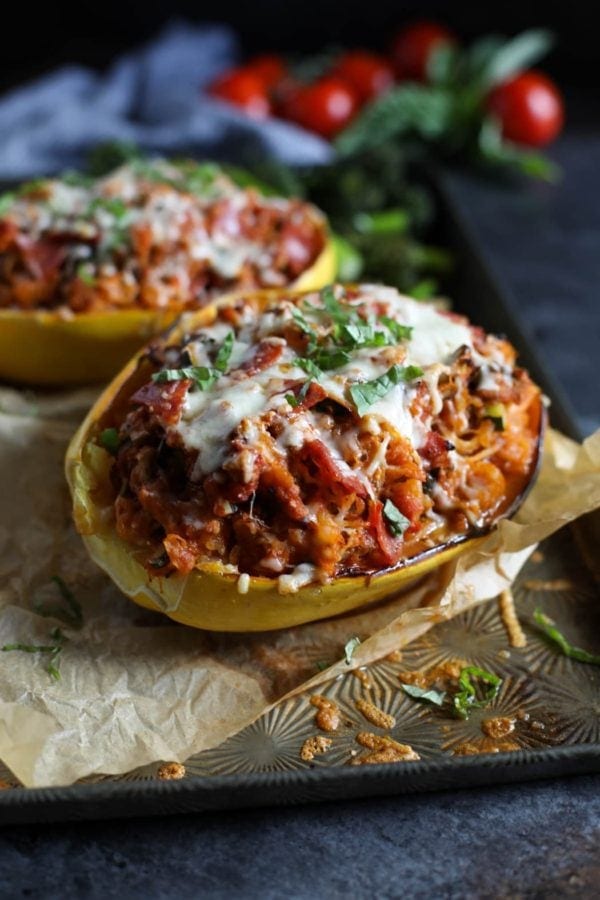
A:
151, 235
330, 442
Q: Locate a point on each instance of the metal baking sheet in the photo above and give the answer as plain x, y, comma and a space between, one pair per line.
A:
551, 700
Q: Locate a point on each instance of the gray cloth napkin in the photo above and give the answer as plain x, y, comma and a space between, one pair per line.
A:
152, 96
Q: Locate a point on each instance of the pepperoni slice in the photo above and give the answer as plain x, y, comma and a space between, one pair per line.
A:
390, 546
267, 353
163, 400
331, 471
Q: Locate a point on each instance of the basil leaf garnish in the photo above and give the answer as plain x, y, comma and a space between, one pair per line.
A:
365, 393
552, 632
349, 649
424, 695
398, 523
467, 697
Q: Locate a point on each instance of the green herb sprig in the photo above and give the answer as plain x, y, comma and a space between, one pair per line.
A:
70, 611
397, 522
350, 648
365, 393
52, 650
424, 695
467, 697
549, 628
203, 376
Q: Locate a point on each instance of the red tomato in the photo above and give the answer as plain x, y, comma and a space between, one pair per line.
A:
325, 107
529, 108
269, 67
245, 89
368, 73
412, 48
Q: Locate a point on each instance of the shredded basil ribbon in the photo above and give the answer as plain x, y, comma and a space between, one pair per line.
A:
202, 376
552, 632
397, 522
365, 393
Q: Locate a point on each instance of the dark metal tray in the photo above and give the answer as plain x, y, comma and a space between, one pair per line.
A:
551, 700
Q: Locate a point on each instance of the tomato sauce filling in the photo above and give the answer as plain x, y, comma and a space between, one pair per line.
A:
150, 235
294, 471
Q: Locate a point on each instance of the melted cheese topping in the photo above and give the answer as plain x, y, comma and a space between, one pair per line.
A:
155, 197
209, 417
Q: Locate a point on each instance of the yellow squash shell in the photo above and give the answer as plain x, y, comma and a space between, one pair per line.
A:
48, 348
209, 597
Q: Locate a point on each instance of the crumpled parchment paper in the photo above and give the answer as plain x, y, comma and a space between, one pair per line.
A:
134, 687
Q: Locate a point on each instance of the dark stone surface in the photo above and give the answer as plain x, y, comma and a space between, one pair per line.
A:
537, 840
541, 242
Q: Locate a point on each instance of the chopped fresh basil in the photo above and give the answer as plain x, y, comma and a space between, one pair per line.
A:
292, 400
365, 393
113, 205
301, 322
467, 698
53, 650
362, 334
224, 354
350, 648
310, 367
397, 522
84, 274
73, 605
497, 413
202, 377
109, 439
6, 201
400, 332
70, 613
424, 695
330, 357
551, 631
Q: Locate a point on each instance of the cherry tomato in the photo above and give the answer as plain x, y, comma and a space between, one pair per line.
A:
529, 108
368, 73
269, 67
245, 89
325, 107
412, 48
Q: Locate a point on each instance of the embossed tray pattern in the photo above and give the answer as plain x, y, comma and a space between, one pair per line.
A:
553, 701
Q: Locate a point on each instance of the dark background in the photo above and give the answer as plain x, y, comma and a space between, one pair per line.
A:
42, 36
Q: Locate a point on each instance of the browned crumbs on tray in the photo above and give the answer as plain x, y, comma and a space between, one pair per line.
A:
314, 746
537, 556
508, 614
374, 715
498, 727
394, 656
383, 749
4, 785
327, 717
171, 771
542, 584
484, 745
363, 677
444, 672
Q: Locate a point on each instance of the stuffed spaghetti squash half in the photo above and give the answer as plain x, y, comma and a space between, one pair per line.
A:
285, 457
91, 269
